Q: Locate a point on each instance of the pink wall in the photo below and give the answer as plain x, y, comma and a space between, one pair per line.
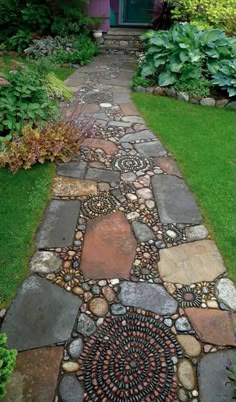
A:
101, 8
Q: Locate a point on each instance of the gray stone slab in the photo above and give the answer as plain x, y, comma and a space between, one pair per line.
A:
59, 224
141, 135
75, 168
102, 175
70, 389
147, 296
151, 149
213, 377
119, 124
174, 200
41, 314
45, 262
121, 97
142, 232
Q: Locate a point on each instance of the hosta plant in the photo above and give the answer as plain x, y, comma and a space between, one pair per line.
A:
180, 51
225, 77
7, 364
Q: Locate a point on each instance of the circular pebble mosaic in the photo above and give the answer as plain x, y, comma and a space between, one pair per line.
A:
188, 297
131, 163
130, 358
98, 205
173, 235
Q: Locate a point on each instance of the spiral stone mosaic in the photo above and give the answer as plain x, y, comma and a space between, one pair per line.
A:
130, 358
98, 205
145, 263
131, 163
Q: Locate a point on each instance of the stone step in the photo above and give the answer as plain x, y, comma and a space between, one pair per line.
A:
119, 49
121, 37
126, 31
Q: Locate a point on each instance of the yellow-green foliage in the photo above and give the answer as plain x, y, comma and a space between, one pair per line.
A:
57, 89
207, 13
7, 363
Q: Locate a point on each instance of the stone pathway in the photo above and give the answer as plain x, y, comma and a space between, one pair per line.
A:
127, 298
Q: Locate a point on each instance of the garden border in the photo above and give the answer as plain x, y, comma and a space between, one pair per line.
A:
186, 97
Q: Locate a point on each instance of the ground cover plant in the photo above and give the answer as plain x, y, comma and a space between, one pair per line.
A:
185, 55
202, 140
7, 363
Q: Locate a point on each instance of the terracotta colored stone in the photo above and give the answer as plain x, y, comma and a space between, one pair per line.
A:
189, 263
68, 187
109, 248
109, 294
35, 375
213, 326
129, 109
168, 165
108, 146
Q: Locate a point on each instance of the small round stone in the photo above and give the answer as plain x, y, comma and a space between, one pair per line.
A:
70, 367
171, 234
186, 374
78, 235
77, 290
75, 348
109, 294
99, 307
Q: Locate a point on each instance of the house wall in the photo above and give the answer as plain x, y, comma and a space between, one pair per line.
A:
98, 8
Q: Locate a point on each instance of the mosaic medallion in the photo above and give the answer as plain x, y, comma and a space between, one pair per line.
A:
131, 163
188, 297
206, 289
145, 263
173, 235
68, 278
97, 205
130, 358
145, 215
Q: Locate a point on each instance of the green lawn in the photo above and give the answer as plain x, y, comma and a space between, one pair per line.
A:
23, 197
202, 140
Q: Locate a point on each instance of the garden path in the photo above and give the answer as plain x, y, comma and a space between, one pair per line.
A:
128, 298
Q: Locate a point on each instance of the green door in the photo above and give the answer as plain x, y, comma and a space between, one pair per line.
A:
136, 11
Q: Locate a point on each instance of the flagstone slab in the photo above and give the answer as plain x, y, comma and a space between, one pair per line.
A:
102, 175
129, 109
141, 135
151, 149
68, 187
213, 378
59, 223
174, 200
213, 326
143, 232
107, 146
35, 375
168, 165
192, 262
147, 296
75, 168
109, 248
41, 314
70, 389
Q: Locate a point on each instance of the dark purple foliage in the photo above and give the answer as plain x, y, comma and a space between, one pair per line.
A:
161, 15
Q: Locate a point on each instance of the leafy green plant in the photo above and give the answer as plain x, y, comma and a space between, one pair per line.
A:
55, 141
7, 363
49, 46
19, 41
24, 101
207, 13
37, 16
225, 77
176, 54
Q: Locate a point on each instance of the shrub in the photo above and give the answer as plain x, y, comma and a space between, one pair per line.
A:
207, 13
7, 363
185, 52
55, 141
25, 101
19, 41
